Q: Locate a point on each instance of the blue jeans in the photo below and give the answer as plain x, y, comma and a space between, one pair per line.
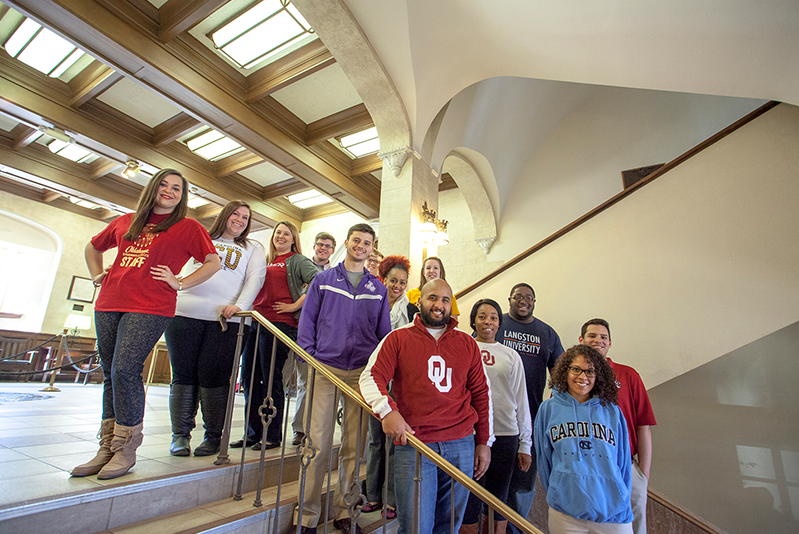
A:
438, 495
522, 492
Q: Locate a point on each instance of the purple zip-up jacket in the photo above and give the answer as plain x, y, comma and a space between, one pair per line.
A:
341, 329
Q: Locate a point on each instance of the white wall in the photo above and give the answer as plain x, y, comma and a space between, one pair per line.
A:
552, 165
692, 266
75, 231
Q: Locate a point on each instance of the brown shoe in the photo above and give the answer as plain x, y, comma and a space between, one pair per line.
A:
297, 438
345, 526
103, 456
126, 440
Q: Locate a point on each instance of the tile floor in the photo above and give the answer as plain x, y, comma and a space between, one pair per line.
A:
42, 440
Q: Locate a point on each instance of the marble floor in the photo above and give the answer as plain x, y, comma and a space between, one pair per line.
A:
42, 440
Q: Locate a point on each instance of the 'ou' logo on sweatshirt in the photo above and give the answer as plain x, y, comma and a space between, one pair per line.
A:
488, 358
439, 374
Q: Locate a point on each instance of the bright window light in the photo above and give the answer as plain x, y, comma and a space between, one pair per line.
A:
213, 146
260, 32
71, 151
361, 143
83, 203
42, 49
306, 199
196, 201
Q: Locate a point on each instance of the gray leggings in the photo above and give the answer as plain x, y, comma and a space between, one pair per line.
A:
125, 339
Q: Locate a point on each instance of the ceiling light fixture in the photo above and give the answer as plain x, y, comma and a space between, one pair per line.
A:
42, 49
433, 230
260, 32
131, 169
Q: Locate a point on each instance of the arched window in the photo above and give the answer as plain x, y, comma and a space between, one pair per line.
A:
29, 257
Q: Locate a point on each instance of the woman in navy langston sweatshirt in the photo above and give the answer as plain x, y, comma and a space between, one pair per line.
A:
582, 448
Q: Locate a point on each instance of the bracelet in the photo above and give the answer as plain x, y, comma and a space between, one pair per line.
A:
180, 284
96, 284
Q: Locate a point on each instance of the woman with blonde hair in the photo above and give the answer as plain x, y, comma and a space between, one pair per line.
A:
280, 300
432, 268
200, 351
136, 301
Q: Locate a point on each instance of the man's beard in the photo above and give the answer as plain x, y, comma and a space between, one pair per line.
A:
428, 320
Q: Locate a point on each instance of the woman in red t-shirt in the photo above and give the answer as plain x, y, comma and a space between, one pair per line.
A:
288, 274
137, 298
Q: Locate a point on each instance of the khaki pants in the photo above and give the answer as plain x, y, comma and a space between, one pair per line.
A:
638, 498
321, 431
565, 524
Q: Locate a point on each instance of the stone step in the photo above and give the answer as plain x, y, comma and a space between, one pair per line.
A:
242, 517
125, 503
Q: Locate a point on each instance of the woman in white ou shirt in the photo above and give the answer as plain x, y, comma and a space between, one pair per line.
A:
202, 353
513, 426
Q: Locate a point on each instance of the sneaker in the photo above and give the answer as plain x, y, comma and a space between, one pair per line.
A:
297, 438
345, 526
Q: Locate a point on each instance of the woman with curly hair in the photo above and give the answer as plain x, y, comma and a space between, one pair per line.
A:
582, 447
393, 271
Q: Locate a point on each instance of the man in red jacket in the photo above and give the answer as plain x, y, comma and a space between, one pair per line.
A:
442, 398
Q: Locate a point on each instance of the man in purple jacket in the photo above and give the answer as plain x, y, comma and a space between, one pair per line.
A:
344, 317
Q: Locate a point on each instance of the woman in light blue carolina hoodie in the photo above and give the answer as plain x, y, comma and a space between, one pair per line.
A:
582, 447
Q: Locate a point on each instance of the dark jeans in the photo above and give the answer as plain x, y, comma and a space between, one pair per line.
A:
125, 339
254, 424
201, 354
376, 465
497, 478
522, 492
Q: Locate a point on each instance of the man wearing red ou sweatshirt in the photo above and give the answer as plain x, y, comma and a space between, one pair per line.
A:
442, 397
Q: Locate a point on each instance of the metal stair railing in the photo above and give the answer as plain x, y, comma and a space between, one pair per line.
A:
306, 450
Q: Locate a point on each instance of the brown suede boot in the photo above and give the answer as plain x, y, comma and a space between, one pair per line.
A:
471, 528
103, 456
126, 440
500, 527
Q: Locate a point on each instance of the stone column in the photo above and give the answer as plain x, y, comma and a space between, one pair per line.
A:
401, 199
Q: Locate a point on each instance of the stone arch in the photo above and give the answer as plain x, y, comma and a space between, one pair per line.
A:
463, 164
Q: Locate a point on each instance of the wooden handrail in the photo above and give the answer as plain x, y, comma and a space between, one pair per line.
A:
613, 200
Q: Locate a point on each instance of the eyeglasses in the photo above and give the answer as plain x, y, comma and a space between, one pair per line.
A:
324, 245
376, 261
519, 298
590, 373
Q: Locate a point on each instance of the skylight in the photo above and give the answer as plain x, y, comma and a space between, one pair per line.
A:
213, 146
195, 201
361, 143
261, 31
71, 151
42, 49
307, 199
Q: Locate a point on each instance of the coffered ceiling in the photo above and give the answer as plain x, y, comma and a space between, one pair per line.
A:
151, 81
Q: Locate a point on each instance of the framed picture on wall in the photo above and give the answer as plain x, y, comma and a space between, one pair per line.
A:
81, 289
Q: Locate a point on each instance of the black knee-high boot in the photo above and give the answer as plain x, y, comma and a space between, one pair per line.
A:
183, 410
213, 402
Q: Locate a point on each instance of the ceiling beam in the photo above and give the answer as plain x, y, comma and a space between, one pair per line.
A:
100, 167
58, 111
208, 211
56, 173
23, 136
49, 196
177, 16
92, 81
284, 189
236, 163
292, 67
344, 122
174, 128
366, 165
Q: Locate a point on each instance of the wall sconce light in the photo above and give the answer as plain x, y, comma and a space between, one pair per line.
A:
433, 230
131, 169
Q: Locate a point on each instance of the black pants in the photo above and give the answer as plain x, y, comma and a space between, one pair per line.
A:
497, 478
201, 354
262, 363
